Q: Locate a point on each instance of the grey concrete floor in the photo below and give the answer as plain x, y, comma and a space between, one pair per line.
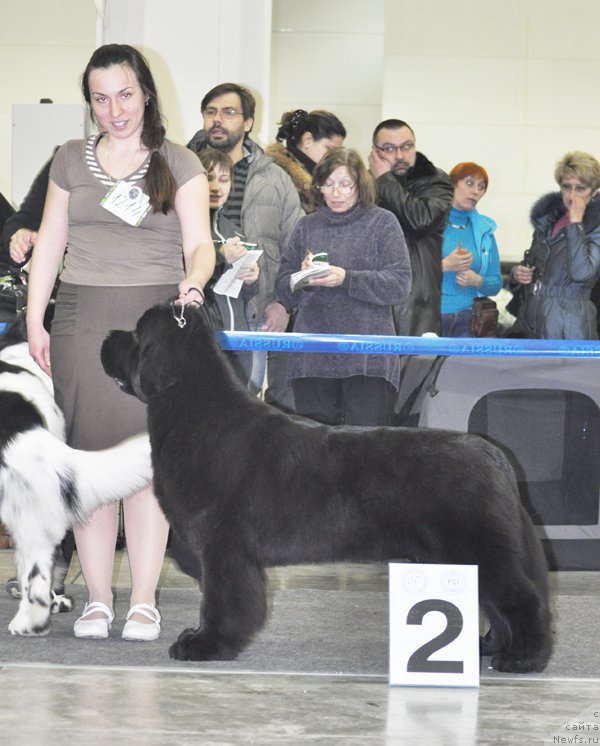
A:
98, 705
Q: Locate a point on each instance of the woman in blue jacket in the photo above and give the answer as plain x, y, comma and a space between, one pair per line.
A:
470, 258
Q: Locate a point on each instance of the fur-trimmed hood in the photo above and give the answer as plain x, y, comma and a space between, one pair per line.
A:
550, 207
295, 170
423, 168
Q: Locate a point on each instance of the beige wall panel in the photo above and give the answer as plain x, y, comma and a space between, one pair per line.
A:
59, 23
334, 71
502, 151
473, 28
339, 16
563, 31
58, 78
562, 93
454, 90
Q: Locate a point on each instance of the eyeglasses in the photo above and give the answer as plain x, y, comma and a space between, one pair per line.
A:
406, 147
227, 112
345, 187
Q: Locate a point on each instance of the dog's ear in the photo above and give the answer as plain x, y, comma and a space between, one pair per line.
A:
157, 360
156, 373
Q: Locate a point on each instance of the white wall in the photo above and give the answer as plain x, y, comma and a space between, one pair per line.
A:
191, 45
511, 84
329, 55
44, 47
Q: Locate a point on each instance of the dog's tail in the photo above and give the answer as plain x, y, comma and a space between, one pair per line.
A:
45, 477
103, 477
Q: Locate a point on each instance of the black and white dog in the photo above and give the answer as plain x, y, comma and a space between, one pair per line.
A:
46, 486
247, 487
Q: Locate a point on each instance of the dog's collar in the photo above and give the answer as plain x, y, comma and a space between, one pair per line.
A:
179, 317
179, 310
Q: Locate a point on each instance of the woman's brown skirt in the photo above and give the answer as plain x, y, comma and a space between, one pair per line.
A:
97, 412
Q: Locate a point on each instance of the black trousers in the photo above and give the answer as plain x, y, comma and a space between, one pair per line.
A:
358, 400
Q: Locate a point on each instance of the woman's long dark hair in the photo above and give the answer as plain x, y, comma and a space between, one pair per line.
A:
160, 184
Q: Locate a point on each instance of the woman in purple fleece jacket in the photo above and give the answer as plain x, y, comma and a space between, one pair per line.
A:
369, 272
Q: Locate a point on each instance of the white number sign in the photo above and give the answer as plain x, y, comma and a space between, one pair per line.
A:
434, 625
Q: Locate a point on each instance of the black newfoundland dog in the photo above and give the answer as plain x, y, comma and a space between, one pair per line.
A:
246, 487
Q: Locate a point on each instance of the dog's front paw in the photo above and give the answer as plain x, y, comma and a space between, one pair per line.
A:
199, 645
25, 626
510, 663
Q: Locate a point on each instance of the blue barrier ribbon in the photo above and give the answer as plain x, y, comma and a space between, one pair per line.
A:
370, 344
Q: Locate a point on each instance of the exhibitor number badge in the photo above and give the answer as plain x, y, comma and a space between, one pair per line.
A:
127, 201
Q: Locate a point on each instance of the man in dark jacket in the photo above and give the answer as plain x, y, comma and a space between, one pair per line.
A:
420, 196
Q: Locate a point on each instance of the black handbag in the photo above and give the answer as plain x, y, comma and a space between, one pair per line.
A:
484, 318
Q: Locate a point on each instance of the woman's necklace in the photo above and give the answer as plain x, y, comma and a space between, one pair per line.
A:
127, 166
458, 215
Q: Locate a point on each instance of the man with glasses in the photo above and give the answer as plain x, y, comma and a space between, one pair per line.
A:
264, 204
420, 195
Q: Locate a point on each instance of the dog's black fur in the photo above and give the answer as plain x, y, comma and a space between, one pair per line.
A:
247, 487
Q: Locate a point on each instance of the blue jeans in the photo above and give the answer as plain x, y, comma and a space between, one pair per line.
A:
457, 324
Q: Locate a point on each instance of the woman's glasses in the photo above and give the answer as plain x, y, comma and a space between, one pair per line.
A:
344, 187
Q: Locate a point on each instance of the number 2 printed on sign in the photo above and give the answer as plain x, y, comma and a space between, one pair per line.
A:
419, 660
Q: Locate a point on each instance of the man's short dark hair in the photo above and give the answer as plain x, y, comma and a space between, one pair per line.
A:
391, 124
246, 98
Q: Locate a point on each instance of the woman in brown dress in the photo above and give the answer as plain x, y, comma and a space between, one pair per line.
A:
132, 208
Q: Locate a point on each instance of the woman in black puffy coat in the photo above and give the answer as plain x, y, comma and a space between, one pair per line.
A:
555, 279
